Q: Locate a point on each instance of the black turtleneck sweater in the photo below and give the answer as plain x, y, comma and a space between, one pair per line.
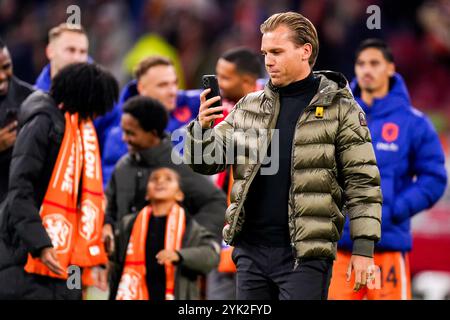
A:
156, 273
266, 206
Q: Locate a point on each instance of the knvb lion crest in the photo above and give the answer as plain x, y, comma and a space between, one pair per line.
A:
58, 229
129, 286
88, 218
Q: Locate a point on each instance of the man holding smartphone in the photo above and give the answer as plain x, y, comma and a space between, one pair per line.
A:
12, 93
238, 71
285, 226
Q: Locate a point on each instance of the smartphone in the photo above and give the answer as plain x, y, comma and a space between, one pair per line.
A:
210, 82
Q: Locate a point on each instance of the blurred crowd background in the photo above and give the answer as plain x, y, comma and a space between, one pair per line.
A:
194, 33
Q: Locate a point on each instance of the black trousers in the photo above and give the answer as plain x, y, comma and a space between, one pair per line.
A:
270, 273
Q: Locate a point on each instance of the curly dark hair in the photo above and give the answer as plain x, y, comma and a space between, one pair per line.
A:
85, 88
149, 112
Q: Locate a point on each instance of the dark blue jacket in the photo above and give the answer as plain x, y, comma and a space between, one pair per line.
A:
411, 163
188, 103
102, 124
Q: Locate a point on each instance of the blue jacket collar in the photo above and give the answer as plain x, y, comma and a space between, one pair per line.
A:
44, 81
397, 99
129, 91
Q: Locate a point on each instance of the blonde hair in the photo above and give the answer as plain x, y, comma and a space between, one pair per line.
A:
303, 31
57, 31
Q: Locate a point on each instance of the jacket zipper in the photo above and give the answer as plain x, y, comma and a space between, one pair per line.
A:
255, 171
291, 191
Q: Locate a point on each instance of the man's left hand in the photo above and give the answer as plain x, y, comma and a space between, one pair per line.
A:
167, 256
361, 266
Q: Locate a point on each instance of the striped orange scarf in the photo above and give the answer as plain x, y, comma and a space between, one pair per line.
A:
132, 285
74, 221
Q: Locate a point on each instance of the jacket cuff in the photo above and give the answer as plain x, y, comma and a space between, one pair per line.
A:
195, 127
363, 247
180, 261
36, 252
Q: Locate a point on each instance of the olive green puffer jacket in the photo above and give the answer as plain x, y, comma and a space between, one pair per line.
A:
333, 166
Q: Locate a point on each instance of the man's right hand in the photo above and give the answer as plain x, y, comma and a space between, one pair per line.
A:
205, 115
8, 136
50, 259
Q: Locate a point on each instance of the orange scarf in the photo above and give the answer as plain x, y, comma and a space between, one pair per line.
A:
74, 221
133, 285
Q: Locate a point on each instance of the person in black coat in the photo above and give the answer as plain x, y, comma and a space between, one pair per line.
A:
79, 88
12, 93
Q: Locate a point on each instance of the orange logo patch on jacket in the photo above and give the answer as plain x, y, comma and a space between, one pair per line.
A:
390, 132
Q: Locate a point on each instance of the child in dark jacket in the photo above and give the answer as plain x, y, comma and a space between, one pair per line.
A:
161, 251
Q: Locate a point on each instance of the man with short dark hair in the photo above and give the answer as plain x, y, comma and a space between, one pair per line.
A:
12, 93
412, 168
285, 225
237, 71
